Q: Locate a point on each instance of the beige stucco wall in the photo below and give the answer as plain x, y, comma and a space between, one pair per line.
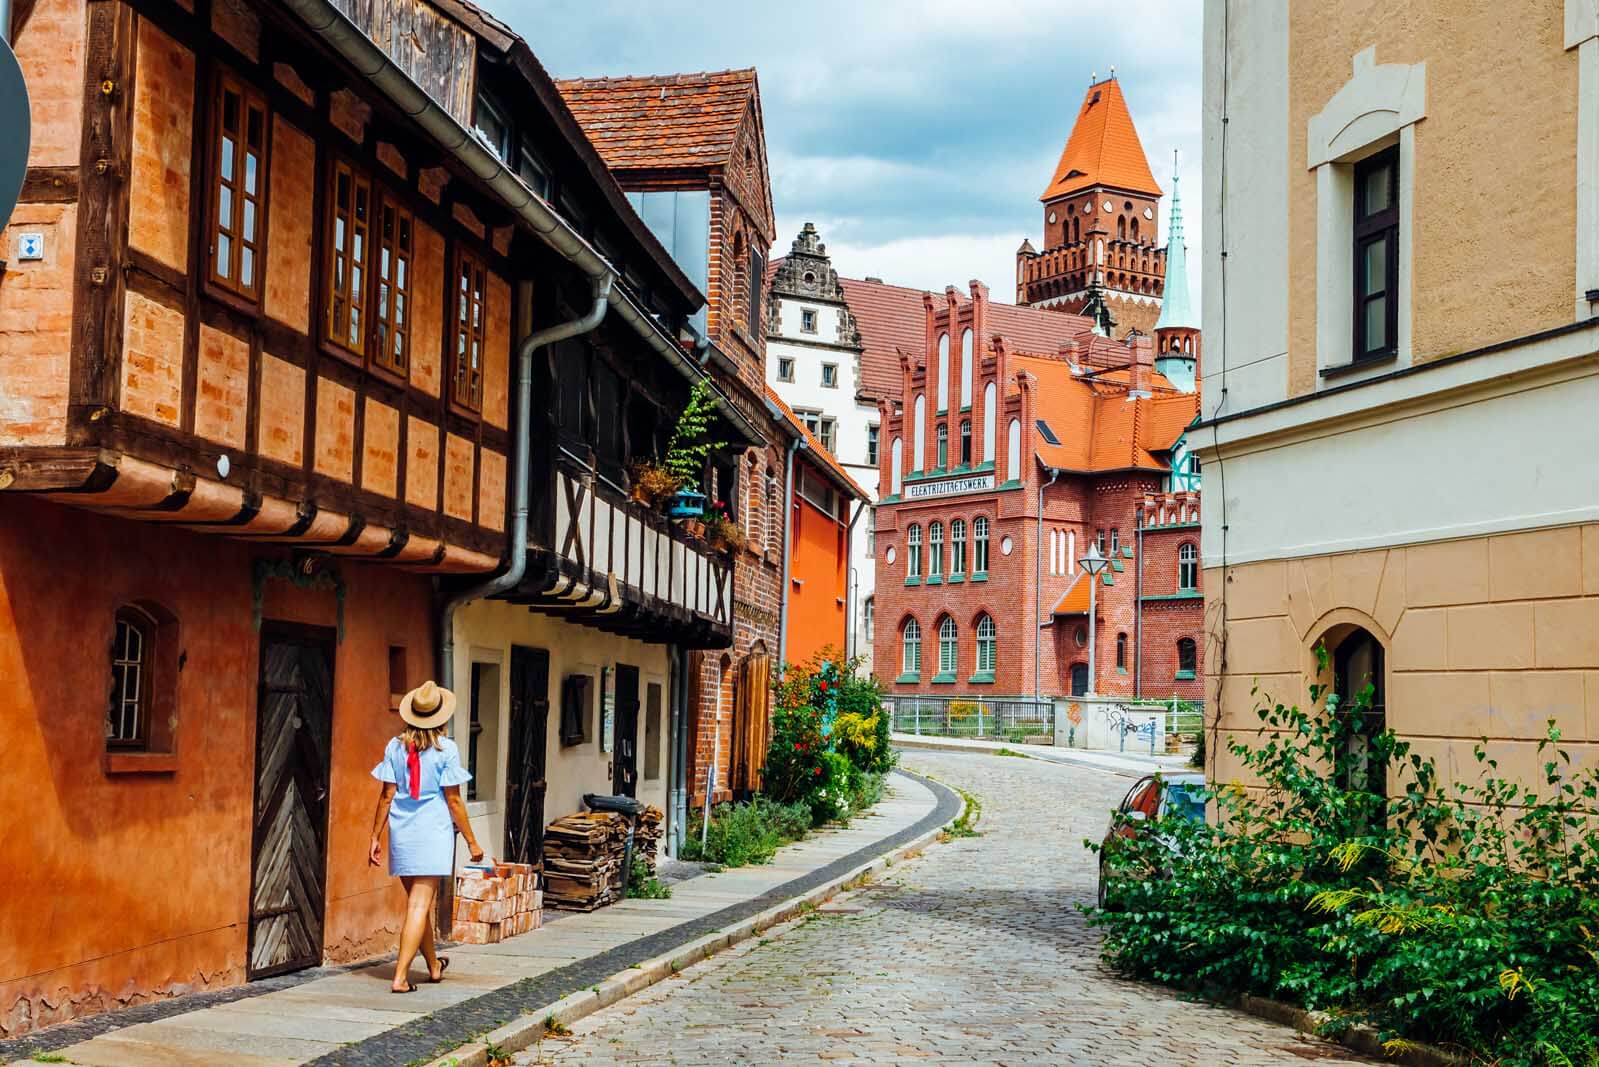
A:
484, 633
1485, 637
1495, 201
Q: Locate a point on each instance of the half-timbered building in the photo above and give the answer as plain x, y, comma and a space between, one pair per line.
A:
317, 316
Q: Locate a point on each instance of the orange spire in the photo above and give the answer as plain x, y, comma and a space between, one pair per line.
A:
1103, 148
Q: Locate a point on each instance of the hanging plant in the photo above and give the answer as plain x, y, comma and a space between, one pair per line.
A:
691, 442
653, 485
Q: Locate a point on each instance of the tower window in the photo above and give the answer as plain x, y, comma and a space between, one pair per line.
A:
966, 443
1188, 568
1376, 236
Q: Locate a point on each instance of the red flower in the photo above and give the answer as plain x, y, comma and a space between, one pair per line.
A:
817, 771
824, 687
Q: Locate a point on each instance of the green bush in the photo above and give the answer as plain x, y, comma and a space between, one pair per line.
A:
643, 885
748, 833
1354, 881
829, 734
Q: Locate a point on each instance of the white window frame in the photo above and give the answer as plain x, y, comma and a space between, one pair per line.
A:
948, 646
957, 547
1377, 108
913, 551
829, 375
809, 315
980, 544
987, 638
935, 549
911, 647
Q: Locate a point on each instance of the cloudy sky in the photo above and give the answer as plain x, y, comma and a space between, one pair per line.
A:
916, 134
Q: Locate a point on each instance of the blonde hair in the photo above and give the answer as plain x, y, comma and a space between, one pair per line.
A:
419, 739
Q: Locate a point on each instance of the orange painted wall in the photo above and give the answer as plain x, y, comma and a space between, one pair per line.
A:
123, 888
819, 571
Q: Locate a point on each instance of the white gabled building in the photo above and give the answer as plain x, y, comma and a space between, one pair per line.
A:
813, 361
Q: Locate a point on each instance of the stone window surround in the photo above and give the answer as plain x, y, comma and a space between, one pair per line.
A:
1377, 108
1582, 34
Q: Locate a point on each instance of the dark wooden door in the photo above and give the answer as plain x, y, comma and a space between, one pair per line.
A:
524, 778
1079, 679
624, 756
293, 748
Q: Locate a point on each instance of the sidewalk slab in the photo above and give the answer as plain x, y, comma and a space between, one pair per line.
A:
1130, 764
350, 1017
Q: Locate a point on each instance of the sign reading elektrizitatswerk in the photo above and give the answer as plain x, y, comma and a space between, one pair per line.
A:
972, 484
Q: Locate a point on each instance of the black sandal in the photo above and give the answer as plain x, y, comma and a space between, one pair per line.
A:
410, 987
444, 965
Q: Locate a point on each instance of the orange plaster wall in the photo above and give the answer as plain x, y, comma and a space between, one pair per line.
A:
36, 326
427, 306
282, 392
335, 430
50, 52
422, 465
163, 121
380, 449
458, 477
491, 490
292, 179
496, 351
137, 885
152, 359
223, 390
819, 566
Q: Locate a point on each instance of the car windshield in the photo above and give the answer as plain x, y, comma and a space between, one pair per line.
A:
1186, 800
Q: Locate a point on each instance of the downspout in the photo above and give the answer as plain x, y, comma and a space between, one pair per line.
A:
521, 483
788, 546
1038, 589
1138, 608
677, 799
850, 594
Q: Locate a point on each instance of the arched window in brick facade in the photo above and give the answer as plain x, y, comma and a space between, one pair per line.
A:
966, 442
935, 550
957, 547
990, 414
1187, 567
943, 448
948, 646
919, 434
911, 643
1187, 657
943, 372
896, 466
966, 369
985, 644
1121, 652
913, 551
980, 545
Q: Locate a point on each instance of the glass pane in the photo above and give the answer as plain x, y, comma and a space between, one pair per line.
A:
399, 272
355, 284
1376, 323
338, 233
249, 220
1376, 267
399, 310
361, 203
383, 300
247, 267
224, 256
358, 246
230, 111
250, 159
1376, 189
254, 135
225, 208
227, 158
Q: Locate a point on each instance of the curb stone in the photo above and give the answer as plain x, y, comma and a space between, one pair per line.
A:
520, 1033
1359, 1038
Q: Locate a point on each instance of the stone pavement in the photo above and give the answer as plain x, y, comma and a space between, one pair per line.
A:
1130, 763
973, 953
350, 1017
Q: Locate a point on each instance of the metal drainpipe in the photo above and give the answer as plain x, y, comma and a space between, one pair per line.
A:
851, 594
1038, 590
1138, 607
5, 20
788, 549
675, 798
520, 474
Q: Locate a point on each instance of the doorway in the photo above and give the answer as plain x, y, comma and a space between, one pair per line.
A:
1079, 679
524, 774
293, 760
1358, 681
624, 759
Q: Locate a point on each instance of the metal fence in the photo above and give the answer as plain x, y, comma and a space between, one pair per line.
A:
1016, 721
1183, 717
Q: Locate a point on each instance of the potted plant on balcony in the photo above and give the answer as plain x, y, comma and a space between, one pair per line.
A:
687, 451
721, 531
652, 485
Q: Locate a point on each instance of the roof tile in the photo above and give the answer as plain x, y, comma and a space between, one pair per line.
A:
662, 121
1103, 148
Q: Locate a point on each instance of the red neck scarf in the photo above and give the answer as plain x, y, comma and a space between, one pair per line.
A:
413, 764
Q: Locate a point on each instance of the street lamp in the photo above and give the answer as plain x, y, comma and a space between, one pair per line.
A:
1093, 563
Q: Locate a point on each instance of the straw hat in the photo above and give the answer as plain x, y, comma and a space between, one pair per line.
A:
427, 706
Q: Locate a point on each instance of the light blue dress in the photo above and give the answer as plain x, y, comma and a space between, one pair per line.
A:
421, 835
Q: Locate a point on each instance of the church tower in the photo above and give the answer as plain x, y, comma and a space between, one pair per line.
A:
1177, 330
1101, 230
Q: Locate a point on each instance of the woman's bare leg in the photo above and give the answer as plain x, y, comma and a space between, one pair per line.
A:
419, 893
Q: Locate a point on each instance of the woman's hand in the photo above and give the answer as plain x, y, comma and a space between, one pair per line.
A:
375, 853
475, 851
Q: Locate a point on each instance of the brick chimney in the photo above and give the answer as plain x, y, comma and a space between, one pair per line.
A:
1141, 373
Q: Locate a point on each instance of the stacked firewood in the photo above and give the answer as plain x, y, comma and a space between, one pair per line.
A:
584, 856
492, 904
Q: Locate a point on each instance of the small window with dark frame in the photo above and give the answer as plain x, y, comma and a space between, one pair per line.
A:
785, 369
132, 668
807, 320
466, 376
830, 375
966, 443
1187, 568
1376, 236
1187, 657
238, 187
349, 222
871, 444
393, 348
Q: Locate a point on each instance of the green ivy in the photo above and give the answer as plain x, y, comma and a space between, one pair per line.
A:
1462, 913
691, 443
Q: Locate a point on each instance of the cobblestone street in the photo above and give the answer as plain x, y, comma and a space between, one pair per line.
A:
973, 953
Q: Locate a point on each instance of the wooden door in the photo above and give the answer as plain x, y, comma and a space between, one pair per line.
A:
293, 750
624, 755
1079, 679
524, 778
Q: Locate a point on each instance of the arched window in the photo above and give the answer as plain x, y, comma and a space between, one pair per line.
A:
919, 434
1135, 229
1121, 652
869, 617
966, 442
985, 645
943, 372
948, 647
896, 465
966, 368
1359, 685
1076, 232
911, 661
980, 545
935, 550
1187, 567
957, 547
913, 552
132, 668
1187, 657
1121, 228
943, 447
990, 414
1013, 452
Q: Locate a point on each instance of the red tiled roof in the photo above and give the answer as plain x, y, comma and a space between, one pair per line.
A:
1075, 600
1035, 329
658, 121
1101, 428
1103, 148
834, 468
891, 318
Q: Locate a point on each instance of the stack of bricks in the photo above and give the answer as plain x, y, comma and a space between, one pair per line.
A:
492, 905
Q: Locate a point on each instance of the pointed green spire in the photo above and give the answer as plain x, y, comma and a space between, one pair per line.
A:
1175, 309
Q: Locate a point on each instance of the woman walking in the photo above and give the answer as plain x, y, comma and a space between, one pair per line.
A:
422, 777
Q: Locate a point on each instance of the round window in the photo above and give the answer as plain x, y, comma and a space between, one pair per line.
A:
810, 277
1005, 546
1082, 637
889, 555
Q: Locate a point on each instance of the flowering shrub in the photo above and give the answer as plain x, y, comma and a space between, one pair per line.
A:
829, 739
